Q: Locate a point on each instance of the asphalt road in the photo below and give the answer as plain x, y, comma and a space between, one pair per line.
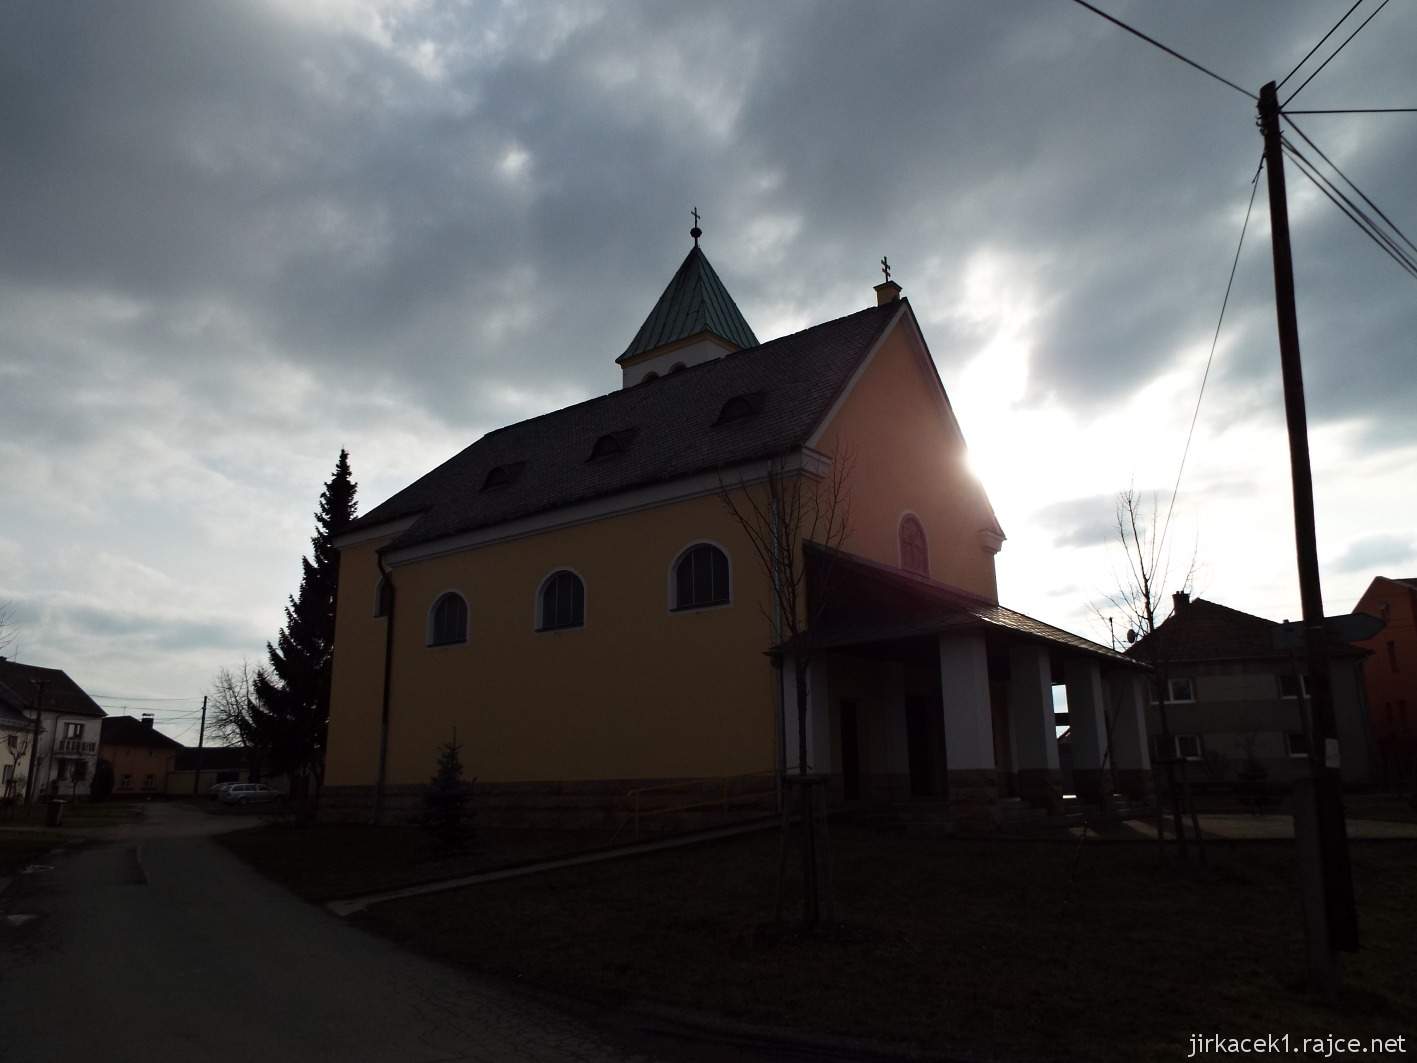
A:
159, 945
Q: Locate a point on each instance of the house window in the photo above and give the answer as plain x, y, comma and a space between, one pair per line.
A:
1392, 655
1296, 744
447, 620
740, 407
914, 551
609, 446
562, 602
383, 597
81, 770
651, 375
701, 578
677, 367
73, 730
63, 772
149, 782
126, 782
1188, 747
1291, 686
1180, 690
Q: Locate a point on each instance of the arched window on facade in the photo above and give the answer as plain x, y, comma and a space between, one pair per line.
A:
447, 620
562, 602
701, 577
914, 551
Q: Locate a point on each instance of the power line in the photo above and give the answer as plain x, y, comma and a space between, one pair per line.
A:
1391, 224
1337, 50
1316, 47
125, 697
1169, 51
1356, 110
1214, 340
1354, 213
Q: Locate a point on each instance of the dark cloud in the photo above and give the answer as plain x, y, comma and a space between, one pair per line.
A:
1080, 521
1376, 551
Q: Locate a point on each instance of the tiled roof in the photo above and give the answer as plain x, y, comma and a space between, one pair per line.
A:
11, 706
130, 731
61, 694
797, 377
695, 301
1207, 631
867, 602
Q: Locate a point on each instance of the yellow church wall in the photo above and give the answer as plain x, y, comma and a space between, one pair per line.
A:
356, 687
638, 692
905, 457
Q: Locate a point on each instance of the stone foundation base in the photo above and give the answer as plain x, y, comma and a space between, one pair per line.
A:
593, 804
974, 800
1041, 787
1091, 784
1135, 783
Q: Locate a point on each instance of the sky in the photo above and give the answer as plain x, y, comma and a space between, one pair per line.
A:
239, 237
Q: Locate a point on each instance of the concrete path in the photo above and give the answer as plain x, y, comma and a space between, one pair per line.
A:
157, 944
1243, 827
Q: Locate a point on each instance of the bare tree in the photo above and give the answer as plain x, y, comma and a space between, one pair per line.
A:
9, 631
233, 707
16, 745
1139, 597
781, 513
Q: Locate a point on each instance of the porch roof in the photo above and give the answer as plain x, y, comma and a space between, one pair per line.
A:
858, 602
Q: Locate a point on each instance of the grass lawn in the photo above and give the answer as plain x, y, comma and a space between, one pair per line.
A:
988, 949
324, 861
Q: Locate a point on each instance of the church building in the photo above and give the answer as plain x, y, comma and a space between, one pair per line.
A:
573, 599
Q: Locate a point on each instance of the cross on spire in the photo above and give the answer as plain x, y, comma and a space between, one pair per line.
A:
885, 267
696, 232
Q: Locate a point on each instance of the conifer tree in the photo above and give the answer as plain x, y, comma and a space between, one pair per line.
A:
292, 700
445, 811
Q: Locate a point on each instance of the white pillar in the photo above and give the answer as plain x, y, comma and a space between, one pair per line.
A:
1130, 752
1088, 726
1031, 708
964, 689
818, 728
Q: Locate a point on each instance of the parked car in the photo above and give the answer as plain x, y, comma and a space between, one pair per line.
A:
249, 793
220, 788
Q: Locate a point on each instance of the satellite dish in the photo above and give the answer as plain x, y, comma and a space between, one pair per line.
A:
1131, 635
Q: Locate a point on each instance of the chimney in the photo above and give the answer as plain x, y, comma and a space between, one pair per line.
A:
887, 292
147, 719
1180, 600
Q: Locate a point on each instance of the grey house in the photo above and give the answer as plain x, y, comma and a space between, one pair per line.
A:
1232, 697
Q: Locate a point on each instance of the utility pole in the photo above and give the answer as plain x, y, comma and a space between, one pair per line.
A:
1325, 876
201, 736
34, 741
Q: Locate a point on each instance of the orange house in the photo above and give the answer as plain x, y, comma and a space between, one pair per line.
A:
141, 756
1391, 674
573, 598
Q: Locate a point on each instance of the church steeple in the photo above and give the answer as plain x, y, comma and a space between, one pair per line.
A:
694, 320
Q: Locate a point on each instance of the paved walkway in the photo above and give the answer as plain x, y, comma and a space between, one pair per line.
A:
161, 945
1243, 827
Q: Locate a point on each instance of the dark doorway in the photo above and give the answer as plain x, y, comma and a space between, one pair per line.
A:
919, 743
850, 752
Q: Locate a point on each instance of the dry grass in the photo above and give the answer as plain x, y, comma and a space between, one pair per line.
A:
993, 949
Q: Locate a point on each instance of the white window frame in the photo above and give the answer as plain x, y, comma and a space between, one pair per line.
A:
428, 625
1303, 687
73, 731
536, 614
900, 552
1288, 747
1172, 699
670, 580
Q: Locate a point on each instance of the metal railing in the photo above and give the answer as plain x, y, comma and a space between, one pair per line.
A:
74, 745
724, 783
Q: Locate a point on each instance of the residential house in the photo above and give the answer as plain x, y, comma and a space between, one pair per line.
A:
196, 771
16, 743
1391, 675
141, 756
1234, 697
570, 597
63, 760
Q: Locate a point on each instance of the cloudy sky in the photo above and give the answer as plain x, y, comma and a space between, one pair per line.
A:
240, 236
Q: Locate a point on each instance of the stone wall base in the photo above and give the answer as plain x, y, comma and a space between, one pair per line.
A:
1091, 784
1042, 788
974, 800
1136, 783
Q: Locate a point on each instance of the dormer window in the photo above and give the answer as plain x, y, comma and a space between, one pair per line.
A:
740, 408
677, 367
503, 475
611, 445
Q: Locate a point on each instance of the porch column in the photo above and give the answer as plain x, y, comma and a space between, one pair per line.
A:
1040, 780
1088, 728
973, 783
818, 728
1131, 756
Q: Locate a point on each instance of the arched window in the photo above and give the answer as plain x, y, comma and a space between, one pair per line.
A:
562, 602
383, 595
677, 366
651, 375
914, 551
701, 577
447, 620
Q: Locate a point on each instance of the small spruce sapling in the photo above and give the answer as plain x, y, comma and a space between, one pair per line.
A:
445, 802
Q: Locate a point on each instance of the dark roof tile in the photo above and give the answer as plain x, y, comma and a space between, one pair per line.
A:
61, 694
131, 731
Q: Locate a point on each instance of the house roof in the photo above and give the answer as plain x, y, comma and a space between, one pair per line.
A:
1201, 630
668, 425
61, 694
694, 302
11, 706
866, 602
131, 731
